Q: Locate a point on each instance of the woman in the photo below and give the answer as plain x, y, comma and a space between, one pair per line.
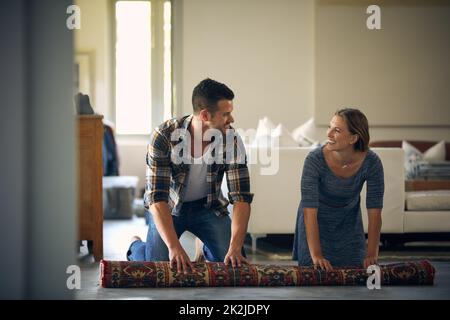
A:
329, 231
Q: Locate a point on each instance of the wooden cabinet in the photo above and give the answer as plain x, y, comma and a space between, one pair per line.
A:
90, 207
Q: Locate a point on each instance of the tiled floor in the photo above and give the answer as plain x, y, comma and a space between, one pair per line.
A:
118, 233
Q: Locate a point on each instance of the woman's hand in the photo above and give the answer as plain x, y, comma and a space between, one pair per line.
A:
370, 260
312, 236
322, 263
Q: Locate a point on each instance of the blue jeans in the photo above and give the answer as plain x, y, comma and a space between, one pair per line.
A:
214, 231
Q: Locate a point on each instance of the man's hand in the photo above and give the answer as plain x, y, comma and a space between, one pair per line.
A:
370, 260
179, 258
239, 223
321, 262
235, 257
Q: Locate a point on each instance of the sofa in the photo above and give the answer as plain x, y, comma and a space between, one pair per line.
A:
276, 185
420, 145
423, 217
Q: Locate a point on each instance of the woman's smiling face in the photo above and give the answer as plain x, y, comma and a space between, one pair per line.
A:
339, 137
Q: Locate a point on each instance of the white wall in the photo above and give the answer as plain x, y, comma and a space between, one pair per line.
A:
94, 38
246, 44
264, 50
400, 133
397, 75
132, 154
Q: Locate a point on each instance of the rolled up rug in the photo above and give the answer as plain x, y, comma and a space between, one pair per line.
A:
136, 274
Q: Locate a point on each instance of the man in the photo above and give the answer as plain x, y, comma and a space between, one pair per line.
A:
183, 189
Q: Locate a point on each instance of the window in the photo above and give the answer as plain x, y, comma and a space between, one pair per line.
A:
167, 59
143, 81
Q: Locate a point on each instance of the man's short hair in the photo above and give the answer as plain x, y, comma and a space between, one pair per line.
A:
208, 93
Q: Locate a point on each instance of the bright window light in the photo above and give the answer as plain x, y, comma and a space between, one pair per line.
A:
133, 67
167, 60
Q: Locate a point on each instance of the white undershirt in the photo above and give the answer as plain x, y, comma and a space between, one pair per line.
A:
197, 187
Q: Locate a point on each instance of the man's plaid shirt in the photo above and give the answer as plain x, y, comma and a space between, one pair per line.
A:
166, 180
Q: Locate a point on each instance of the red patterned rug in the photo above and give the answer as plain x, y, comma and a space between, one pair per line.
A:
132, 274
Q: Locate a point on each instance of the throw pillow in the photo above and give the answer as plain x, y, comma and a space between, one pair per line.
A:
411, 152
307, 134
263, 134
435, 153
414, 158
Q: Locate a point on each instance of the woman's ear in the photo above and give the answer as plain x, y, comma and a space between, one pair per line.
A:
354, 139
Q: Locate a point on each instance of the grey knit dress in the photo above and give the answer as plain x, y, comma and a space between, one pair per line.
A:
339, 217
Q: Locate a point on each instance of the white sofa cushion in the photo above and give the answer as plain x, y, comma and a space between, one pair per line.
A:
435, 200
